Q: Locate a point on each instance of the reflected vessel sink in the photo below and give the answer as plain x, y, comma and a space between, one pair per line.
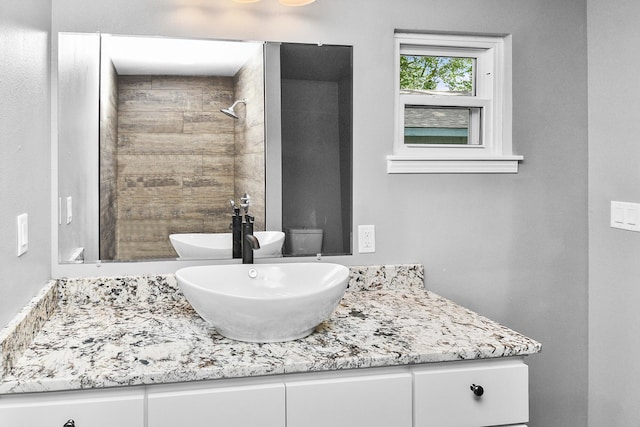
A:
220, 245
264, 302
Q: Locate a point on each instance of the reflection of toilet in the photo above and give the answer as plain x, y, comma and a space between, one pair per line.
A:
303, 241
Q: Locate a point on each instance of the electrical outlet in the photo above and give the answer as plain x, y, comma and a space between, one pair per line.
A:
366, 238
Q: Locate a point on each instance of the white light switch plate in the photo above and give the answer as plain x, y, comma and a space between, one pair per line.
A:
22, 229
625, 216
69, 209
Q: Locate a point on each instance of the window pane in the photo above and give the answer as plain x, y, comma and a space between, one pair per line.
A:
440, 125
439, 74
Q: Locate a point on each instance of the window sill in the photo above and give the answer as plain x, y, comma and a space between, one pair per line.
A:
453, 164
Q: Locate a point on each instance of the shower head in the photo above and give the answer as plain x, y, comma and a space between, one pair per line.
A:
230, 112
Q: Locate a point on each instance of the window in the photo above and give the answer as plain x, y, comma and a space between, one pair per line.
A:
453, 104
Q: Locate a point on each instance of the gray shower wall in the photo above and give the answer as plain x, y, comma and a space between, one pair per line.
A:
311, 165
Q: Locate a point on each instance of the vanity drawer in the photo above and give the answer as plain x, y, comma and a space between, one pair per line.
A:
443, 396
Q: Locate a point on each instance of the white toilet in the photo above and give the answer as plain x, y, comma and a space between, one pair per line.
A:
303, 241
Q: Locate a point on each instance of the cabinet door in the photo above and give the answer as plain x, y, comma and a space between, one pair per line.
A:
350, 401
87, 408
219, 406
443, 394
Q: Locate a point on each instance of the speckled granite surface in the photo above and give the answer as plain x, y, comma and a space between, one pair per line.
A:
18, 334
140, 330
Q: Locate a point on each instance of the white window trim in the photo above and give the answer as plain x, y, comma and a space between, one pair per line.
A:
493, 94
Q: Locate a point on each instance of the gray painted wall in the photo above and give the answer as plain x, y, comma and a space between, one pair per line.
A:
24, 149
614, 174
512, 247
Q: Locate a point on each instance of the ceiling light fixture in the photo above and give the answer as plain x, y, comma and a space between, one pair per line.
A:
296, 2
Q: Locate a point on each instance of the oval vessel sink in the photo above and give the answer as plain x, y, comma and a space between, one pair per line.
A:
264, 302
220, 245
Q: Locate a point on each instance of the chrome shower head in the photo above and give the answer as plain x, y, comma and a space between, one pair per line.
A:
230, 111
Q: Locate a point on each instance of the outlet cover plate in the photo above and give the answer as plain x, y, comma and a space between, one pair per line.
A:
366, 239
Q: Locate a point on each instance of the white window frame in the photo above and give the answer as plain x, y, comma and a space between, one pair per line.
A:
492, 94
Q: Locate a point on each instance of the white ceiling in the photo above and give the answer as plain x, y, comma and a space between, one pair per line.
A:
165, 56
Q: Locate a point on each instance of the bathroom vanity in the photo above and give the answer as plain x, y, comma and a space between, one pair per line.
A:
131, 351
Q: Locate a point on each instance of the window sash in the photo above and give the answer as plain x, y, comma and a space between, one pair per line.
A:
463, 124
444, 53
478, 130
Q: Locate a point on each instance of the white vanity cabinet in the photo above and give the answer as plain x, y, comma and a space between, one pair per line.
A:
91, 408
426, 395
471, 394
220, 405
351, 400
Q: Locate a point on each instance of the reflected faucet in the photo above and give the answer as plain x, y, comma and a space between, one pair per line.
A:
245, 200
236, 231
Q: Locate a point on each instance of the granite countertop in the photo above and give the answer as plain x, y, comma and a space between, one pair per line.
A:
104, 332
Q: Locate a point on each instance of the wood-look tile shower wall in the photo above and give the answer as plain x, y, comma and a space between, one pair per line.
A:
249, 137
175, 161
108, 152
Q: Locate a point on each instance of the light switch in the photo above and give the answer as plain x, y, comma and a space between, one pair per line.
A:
625, 215
69, 209
22, 231
617, 214
631, 216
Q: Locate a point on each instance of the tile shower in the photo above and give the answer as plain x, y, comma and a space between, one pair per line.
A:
170, 161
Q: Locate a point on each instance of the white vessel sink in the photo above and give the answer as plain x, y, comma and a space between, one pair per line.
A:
220, 245
264, 302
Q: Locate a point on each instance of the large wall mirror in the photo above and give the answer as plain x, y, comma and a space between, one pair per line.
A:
156, 137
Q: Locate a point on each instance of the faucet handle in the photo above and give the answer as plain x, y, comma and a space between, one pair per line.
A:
244, 202
234, 208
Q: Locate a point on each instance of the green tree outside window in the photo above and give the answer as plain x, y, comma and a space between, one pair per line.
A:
441, 73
